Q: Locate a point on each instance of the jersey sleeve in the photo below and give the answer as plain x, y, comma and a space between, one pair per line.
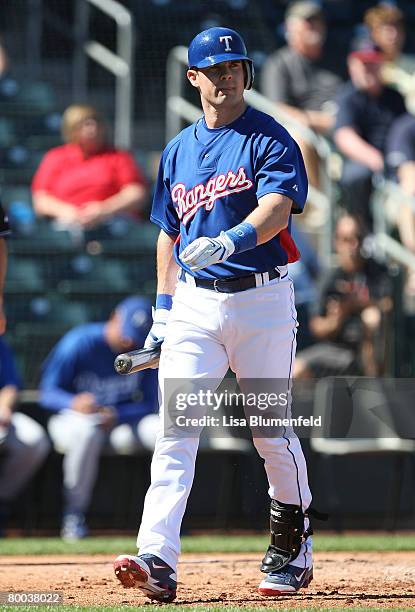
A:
281, 170
128, 170
163, 212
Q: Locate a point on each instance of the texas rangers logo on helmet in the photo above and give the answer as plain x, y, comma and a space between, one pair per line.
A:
226, 39
188, 202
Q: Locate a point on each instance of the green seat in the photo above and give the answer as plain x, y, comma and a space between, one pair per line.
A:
8, 136
91, 274
43, 239
32, 97
23, 274
138, 238
98, 306
15, 193
55, 309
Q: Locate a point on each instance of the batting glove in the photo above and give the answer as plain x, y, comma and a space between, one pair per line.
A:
157, 332
204, 252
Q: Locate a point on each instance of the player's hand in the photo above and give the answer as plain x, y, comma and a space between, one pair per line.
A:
157, 332
109, 417
204, 252
84, 403
67, 215
5, 416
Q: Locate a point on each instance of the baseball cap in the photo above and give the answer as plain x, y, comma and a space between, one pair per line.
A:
365, 50
304, 9
135, 318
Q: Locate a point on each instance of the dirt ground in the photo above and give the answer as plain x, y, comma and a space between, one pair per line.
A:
340, 580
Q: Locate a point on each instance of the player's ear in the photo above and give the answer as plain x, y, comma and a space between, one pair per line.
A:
192, 76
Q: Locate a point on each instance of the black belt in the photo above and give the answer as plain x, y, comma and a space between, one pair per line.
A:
231, 285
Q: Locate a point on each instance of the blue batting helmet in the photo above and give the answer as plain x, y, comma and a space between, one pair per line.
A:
217, 45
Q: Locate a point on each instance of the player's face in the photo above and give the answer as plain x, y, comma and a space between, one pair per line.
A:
222, 84
114, 336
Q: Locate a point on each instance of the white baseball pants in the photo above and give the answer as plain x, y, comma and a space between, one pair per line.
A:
253, 332
81, 439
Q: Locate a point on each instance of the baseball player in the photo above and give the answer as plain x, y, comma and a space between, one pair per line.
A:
226, 189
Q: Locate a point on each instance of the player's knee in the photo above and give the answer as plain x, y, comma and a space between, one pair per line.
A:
268, 447
122, 439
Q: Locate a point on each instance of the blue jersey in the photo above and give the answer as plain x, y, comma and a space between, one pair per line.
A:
82, 361
211, 179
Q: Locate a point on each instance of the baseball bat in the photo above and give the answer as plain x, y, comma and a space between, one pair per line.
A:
135, 361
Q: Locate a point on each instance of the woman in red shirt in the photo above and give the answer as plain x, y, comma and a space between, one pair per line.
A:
87, 181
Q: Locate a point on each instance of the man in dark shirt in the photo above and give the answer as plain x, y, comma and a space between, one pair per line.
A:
350, 314
400, 158
366, 109
300, 77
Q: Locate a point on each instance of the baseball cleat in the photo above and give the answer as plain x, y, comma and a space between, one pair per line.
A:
286, 581
148, 573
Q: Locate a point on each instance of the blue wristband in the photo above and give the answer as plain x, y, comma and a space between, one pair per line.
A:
164, 300
243, 236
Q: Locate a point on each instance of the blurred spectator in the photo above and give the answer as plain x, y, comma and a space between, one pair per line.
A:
24, 444
386, 27
86, 181
9, 87
366, 109
349, 318
400, 157
4, 231
95, 406
301, 79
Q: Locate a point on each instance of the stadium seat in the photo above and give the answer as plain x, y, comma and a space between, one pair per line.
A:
23, 275
29, 98
43, 239
36, 322
142, 271
131, 238
15, 193
8, 136
40, 308
95, 273
32, 342
97, 306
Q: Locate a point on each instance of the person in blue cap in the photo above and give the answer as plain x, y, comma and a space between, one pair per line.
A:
95, 407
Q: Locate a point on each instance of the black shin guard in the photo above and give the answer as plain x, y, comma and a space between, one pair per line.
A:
287, 534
